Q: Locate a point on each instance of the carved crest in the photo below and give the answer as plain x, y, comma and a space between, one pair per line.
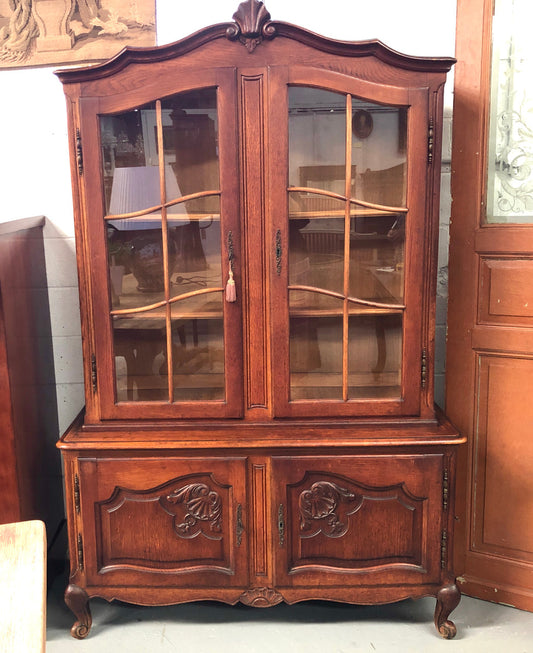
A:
319, 509
203, 507
252, 24
261, 597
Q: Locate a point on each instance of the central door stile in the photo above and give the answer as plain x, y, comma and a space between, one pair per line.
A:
253, 174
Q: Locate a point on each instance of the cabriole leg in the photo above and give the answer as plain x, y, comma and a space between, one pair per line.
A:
448, 598
77, 600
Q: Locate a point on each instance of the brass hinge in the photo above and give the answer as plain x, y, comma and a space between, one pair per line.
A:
94, 376
445, 490
444, 549
281, 524
79, 151
431, 139
424, 368
80, 552
77, 493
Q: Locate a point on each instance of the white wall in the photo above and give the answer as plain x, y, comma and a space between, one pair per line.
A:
34, 167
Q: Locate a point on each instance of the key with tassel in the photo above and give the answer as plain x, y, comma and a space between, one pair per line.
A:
231, 292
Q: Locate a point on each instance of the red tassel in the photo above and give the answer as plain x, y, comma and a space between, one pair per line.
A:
231, 293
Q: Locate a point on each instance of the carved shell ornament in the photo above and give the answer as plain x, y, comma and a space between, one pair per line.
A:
203, 506
319, 509
252, 24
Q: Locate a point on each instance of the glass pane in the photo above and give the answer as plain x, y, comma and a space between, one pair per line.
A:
379, 139
316, 244
377, 250
190, 142
194, 238
131, 180
316, 357
374, 355
140, 356
510, 147
135, 253
317, 127
198, 348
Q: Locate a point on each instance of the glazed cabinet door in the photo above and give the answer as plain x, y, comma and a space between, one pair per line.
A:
162, 522
349, 189
369, 520
160, 192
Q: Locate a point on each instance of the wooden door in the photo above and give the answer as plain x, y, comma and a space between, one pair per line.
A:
163, 522
330, 510
490, 332
162, 222
348, 283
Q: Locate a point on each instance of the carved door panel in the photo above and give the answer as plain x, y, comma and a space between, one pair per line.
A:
163, 521
359, 517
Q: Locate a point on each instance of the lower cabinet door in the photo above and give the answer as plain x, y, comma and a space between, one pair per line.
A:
358, 520
167, 522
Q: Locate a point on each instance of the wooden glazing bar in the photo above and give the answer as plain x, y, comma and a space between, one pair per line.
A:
354, 300
164, 234
152, 209
347, 217
352, 200
172, 300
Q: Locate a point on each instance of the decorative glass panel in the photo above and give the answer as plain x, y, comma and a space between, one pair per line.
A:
510, 147
347, 216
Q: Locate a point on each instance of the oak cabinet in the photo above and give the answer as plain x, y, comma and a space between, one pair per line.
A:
256, 213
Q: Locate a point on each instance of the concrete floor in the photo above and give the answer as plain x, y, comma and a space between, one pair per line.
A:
315, 627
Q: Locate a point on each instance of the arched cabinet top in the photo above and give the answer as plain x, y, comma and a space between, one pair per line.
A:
251, 28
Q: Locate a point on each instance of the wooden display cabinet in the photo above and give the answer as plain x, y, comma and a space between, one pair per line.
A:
256, 212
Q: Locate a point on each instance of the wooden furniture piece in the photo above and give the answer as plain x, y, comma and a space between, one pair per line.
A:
259, 427
23, 597
489, 362
25, 362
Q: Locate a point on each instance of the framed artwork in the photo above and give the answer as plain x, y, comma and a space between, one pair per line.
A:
48, 32
362, 123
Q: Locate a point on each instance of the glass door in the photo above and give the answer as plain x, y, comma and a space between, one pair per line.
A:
170, 332
347, 255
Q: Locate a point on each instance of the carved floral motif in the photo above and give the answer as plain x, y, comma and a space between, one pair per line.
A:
261, 597
203, 506
252, 24
319, 509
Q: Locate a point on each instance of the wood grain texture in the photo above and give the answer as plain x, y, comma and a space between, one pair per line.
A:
23, 597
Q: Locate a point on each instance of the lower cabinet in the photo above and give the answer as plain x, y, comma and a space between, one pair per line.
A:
261, 529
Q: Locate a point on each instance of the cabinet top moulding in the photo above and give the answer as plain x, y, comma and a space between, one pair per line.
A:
252, 26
